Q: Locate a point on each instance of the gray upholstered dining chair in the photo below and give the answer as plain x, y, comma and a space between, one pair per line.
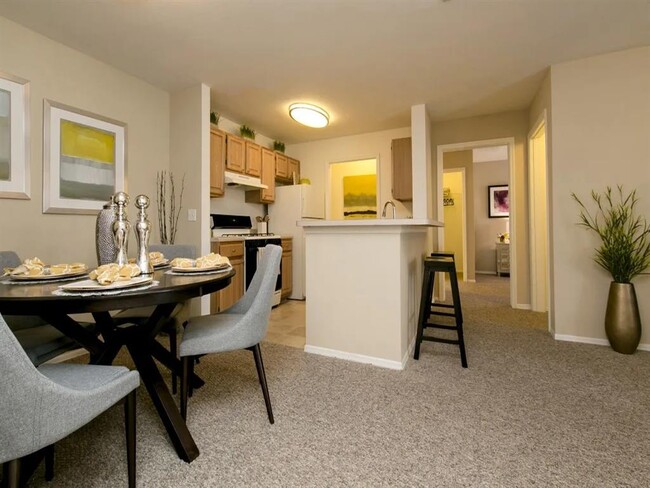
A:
40, 340
178, 315
42, 406
242, 326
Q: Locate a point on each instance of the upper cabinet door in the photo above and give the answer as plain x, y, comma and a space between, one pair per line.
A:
402, 170
217, 162
281, 166
268, 176
253, 159
294, 170
236, 154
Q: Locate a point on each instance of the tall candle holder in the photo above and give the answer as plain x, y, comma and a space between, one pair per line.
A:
142, 235
121, 228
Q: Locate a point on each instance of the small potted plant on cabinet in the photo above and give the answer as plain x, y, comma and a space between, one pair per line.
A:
625, 253
278, 146
247, 132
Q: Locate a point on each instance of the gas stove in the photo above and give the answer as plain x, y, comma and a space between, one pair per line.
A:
241, 235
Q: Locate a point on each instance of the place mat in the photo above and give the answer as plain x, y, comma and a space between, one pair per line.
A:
8, 281
199, 273
119, 291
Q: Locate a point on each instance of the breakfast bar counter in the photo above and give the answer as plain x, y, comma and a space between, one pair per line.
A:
363, 281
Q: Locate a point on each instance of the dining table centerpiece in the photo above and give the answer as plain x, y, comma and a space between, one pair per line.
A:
624, 252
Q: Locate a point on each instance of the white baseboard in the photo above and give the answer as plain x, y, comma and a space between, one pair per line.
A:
523, 306
592, 340
493, 273
357, 358
470, 281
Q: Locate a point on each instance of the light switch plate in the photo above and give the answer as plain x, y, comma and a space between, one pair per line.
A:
191, 214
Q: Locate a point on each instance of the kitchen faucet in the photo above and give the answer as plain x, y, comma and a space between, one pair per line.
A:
383, 212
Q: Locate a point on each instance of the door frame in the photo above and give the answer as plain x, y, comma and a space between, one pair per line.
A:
504, 141
540, 123
463, 215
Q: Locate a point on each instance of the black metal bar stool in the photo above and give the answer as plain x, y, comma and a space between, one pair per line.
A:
440, 262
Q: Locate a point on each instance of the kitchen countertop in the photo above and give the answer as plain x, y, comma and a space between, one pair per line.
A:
371, 223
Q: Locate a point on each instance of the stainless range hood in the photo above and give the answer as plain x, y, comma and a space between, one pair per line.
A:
236, 179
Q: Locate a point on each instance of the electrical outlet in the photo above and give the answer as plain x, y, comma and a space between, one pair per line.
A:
191, 214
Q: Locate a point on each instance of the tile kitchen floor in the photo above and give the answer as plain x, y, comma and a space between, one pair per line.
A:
287, 324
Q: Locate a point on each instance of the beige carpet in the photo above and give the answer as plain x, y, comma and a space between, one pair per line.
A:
529, 411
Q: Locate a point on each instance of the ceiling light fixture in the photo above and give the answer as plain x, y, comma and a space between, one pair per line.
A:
309, 115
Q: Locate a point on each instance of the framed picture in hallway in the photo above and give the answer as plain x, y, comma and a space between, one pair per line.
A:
498, 201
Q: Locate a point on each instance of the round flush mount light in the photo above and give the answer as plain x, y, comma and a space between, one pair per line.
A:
309, 115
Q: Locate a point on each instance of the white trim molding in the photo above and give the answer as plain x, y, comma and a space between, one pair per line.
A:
593, 341
357, 358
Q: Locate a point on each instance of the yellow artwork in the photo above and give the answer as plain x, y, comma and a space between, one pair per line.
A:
87, 162
360, 197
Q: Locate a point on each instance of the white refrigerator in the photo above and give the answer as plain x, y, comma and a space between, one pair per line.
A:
294, 203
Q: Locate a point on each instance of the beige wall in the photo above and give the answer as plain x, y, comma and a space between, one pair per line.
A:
600, 131
485, 228
497, 126
315, 158
61, 74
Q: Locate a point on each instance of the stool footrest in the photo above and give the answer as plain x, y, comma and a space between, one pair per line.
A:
445, 305
442, 314
430, 325
438, 339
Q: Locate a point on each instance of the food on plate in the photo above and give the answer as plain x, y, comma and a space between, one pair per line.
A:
182, 263
110, 273
34, 267
157, 258
211, 260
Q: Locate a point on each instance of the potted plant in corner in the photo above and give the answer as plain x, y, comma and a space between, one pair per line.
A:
624, 252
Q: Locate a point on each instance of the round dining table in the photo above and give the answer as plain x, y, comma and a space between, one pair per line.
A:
42, 298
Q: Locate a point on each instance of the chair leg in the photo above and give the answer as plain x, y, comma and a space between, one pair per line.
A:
186, 363
129, 420
49, 463
257, 352
11, 473
173, 347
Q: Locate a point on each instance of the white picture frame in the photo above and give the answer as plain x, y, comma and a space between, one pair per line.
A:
84, 159
14, 137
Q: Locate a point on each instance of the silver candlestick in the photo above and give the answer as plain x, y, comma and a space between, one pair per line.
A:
121, 228
142, 234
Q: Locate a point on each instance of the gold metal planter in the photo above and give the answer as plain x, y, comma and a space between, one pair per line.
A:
622, 319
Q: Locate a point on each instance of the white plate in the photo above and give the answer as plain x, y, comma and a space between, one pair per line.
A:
50, 276
218, 267
92, 285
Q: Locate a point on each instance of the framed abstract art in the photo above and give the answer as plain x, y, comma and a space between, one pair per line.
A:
14, 137
498, 201
84, 159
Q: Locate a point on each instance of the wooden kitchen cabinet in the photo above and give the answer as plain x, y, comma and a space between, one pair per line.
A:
294, 170
402, 169
287, 267
281, 166
265, 195
224, 299
217, 162
253, 159
235, 153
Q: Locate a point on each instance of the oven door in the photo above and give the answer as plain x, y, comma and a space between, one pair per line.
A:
254, 248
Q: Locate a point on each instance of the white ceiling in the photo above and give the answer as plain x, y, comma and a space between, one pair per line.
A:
365, 61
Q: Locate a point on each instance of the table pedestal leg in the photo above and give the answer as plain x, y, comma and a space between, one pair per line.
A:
164, 403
